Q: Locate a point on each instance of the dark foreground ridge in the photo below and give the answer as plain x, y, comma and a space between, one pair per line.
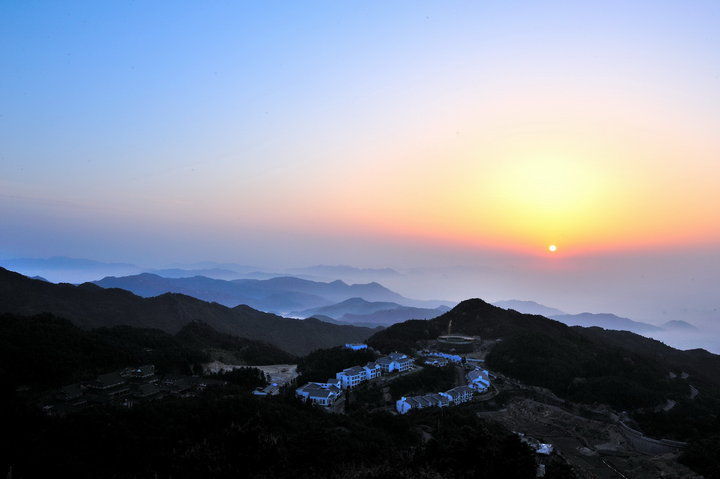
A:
667, 393
90, 306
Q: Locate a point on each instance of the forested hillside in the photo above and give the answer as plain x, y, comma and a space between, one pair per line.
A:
90, 306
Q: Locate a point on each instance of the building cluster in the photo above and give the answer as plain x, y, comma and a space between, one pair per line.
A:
122, 388
440, 359
328, 394
478, 380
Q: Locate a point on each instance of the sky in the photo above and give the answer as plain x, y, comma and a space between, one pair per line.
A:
449, 136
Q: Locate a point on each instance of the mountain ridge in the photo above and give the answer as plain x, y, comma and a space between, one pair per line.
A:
276, 295
91, 306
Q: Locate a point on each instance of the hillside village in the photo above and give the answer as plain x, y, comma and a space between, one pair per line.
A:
331, 393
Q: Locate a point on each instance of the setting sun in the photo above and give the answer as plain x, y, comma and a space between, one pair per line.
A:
552, 248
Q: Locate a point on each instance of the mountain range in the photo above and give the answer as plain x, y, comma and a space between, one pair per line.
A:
90, 306
77, 270
607, 321
61, 268
278, 295
358, 311
602, 320
528, 307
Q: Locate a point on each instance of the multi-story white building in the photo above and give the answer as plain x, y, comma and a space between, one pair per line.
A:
372, 370
353, 376
395, 362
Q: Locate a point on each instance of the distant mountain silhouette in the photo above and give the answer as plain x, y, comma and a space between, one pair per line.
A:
357, 311
391, 316
215, 273
63, 262
39, 278
239, 268
677, 325
347, 273
606, 321
60, 268
602, 320
528, 307
349, 306
278, 295
328, 319
90, 306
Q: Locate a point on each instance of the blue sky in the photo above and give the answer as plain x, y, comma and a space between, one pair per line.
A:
289, 133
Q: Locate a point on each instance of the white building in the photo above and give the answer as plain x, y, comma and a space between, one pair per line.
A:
439, 362
405, 404
458, 395
478, 379
372, 370
322, 394
353, 376
395, 362
450, 357
356, 346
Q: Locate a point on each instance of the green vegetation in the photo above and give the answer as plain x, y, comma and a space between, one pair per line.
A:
325, 363
231, 349
223, 434
46, 352
246, 379
403, 337
703, 455
579, 370
368, 395
427, 380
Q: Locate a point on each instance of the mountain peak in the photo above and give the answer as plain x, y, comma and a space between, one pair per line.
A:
678, 325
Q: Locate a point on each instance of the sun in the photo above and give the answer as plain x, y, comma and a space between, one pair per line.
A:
552, 248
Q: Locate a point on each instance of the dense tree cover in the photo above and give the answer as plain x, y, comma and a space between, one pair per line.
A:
325, 363
44, 351
558, 469
404, 336
152, 346
369, 396
462, 445
703, 455
200, 336
688, 419
694, 420
589, 365
427, 380
224, 434
246, 379
623, 380
585, 372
